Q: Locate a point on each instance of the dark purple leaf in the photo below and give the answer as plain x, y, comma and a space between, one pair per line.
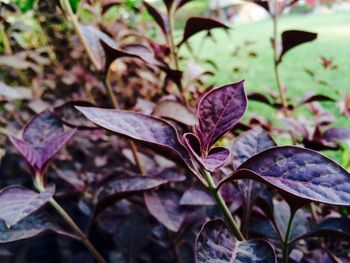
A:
123, 187
17, 202
29, 227
43, 137
154, 132
216, 157
158, 17
169, 4
215, 243
329, 228
139, 52
263, 4
181, 3
218, 112
249, 144
70, 116
175, 111
293, 38
336, 134
197, 196
256, 96
198, 24
93, 36
315, 97
165, 206
302, 174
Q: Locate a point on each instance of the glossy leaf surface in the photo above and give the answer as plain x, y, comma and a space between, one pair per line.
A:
218, 111
303, 174
197, 196
17, 202
156, 133
215, 243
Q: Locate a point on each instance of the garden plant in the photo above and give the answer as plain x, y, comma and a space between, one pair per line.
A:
113, 147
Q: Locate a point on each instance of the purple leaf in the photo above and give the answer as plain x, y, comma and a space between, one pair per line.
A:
336, 134
43, 137
219, 111
158, 17
124, 187
29, 227
293, 38
198, 24
181, 3
17, 202
93, 36
329, 228
165, 206
215, 243
197, 197
302, 174
216, 157
256, 96
139, 52
249, 144
315, 97
154, 132
175, 111
70, 116
263, 4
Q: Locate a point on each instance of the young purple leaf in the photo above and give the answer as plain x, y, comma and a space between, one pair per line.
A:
218, 112
216, 157
17, 202
314, 97
165, 206
198, 24
29, 227
293, 38
215, 243
329, 228
304, 175
43, 137
125, 186
197, 197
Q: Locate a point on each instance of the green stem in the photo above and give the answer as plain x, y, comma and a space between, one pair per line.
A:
223, 207
82, 237
285, 249
173, 50
276, 60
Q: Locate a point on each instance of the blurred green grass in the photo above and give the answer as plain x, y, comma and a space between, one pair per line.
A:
333, 42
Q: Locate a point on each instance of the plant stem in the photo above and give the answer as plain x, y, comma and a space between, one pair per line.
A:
82, 237
277, 60
223, 207
97, 65
73, 18
173, 50
285, 249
